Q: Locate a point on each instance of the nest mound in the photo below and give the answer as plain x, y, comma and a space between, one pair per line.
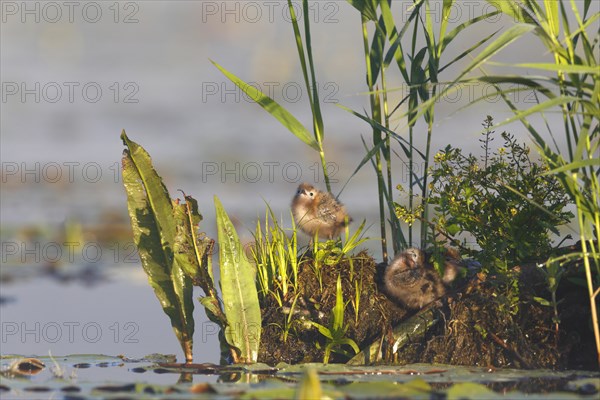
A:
317, 297
485, 320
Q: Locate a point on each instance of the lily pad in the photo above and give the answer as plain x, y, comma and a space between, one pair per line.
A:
101, 376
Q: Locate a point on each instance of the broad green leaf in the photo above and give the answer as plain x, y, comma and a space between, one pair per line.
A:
214, 312
151, 214
273, 108
446, 11
323, 330
350, 343
388, 20
240, 297
376, 54
183, 288
185, 267
183, 244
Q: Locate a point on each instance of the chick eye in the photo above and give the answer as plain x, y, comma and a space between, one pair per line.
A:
311, 194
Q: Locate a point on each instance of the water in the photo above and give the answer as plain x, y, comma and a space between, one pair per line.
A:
121, 315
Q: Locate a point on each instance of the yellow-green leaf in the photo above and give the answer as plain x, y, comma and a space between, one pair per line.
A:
273, 108
240, 297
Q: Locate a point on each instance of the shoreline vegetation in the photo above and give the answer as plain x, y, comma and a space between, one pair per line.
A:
519, 301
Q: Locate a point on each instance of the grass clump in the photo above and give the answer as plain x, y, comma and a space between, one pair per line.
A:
322, 301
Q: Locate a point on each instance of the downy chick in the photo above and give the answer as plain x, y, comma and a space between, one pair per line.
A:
316, 211
412, 282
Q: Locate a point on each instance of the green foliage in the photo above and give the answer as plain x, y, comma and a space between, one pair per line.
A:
506, 289
505, 200
335, 333
553, 273
175, 258
275, 256
272, 107
332, 252
570, 85
387, 48
408, 331
240, 298
154, 232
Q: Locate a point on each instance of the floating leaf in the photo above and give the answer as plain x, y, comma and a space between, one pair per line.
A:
470, 390
26, 366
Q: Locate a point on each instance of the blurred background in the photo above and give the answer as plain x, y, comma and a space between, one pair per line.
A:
75, 74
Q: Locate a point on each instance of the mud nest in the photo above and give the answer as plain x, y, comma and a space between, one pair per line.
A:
317, 297
480, 324
482, 327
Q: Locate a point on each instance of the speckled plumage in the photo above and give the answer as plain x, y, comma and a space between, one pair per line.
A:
316, 211
412, 282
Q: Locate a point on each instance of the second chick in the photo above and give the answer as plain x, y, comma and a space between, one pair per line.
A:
412, 282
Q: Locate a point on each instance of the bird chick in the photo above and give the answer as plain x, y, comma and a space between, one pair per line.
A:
316, 211
412, 282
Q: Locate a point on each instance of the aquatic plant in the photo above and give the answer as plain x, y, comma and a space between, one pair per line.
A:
154, 230
567, 29
176, 258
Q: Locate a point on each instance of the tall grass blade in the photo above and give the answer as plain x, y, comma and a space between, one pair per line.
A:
314, 102
273, 108
514, 10
552, 16
367, 8
568, 68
